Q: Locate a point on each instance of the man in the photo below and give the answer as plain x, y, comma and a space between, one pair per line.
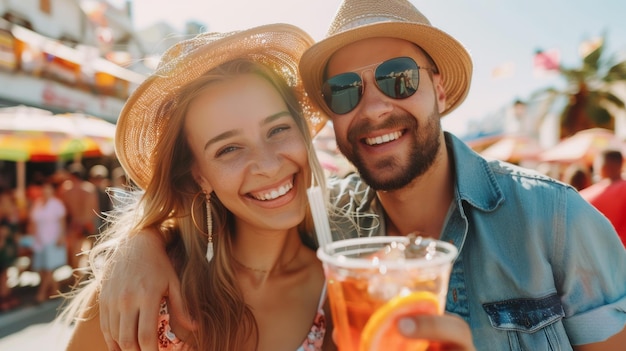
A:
99, 176
537, 265
608, 195
529, 274
81, 200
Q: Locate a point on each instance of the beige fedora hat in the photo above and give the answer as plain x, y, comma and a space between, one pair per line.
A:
363, 19
142, 122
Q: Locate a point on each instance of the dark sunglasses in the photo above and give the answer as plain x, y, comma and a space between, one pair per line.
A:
398, 78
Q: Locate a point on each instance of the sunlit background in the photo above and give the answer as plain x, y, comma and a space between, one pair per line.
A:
502, 36
87, 56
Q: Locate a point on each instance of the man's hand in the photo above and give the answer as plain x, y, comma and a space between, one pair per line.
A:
450, 331
135, 282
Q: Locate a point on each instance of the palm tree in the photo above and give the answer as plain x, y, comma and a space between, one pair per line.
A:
588, 97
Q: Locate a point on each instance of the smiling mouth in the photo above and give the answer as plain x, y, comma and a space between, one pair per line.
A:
382, 139
273, 194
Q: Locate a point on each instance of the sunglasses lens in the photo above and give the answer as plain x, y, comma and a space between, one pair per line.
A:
341, 92
398, 78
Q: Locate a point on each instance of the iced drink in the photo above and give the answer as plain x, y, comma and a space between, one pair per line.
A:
372, 281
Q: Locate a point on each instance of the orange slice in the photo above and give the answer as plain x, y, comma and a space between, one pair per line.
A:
380, 332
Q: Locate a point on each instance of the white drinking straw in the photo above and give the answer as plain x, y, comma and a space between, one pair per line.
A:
320, 216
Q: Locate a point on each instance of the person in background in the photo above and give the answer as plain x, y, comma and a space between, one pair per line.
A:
120, 185
81, 201
577, 175
33, 192
47, 224
34, 188
538, 267
333, 162
99, 176
118, 178
608, 194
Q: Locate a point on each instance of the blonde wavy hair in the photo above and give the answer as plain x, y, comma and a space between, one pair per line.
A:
210, 290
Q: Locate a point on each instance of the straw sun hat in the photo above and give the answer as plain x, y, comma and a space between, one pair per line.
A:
362, 19
140, 124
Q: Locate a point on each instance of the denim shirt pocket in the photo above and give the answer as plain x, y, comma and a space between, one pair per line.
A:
531, 324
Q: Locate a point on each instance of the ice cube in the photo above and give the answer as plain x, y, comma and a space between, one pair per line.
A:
420, 247
393, 251
384, 287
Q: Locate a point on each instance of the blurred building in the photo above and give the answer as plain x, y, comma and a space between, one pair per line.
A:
76, 55
52, 57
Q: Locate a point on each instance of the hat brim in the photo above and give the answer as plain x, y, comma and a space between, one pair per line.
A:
139, 126
453, 61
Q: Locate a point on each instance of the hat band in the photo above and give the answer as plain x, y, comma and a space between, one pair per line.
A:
365, 21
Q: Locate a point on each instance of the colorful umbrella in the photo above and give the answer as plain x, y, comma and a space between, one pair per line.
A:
41, 148
583, 146
89, 126
30, 134
513, 148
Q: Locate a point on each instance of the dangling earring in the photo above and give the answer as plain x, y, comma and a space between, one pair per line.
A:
209, 224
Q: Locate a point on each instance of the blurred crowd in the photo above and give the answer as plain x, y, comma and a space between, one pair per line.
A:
604, 186
58, 218
601, 182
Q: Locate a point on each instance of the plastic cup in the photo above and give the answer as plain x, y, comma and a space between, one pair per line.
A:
361, 280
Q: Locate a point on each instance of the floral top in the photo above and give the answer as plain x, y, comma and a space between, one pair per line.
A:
313, 341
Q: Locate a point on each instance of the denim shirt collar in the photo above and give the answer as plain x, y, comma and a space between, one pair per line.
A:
477, 185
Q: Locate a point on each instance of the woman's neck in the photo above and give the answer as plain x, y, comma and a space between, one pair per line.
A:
266, 254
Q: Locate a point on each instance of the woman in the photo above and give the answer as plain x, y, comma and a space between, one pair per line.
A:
218, 140
47, 222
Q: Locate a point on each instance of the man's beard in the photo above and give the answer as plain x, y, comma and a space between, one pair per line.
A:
422, 154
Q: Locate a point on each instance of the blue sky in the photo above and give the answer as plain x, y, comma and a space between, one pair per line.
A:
496, 32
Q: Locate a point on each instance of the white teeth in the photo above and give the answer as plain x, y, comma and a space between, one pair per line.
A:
275, 193
383, 138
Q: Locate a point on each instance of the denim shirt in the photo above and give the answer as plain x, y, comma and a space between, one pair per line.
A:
538, 267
